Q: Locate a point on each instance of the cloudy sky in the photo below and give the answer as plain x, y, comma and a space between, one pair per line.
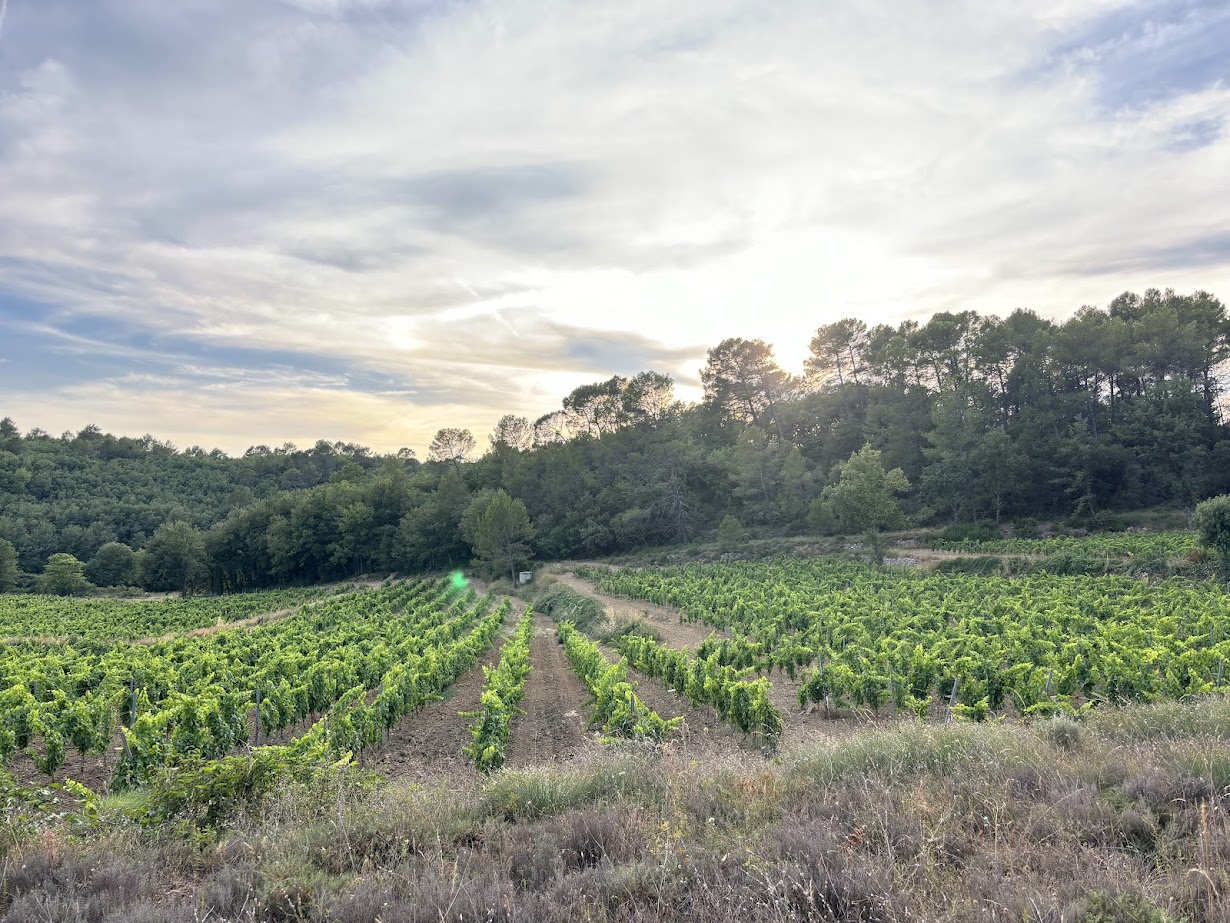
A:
237, 221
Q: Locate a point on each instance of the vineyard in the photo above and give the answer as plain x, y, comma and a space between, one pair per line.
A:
362, 660
129, 694
1146, 545
911, 642
543, 740
118, 619
130, 690
617, 709
505, 689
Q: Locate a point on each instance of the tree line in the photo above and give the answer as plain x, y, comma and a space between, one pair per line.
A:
984, 419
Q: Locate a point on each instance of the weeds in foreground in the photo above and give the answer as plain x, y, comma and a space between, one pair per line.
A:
1123, 817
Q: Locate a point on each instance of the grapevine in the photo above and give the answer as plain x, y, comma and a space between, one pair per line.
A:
504, 691
705, 680
189, 697
900, 640
616, 706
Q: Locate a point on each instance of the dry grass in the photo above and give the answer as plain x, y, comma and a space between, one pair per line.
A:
1120, 818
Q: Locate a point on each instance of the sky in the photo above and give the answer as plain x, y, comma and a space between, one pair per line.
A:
233, 222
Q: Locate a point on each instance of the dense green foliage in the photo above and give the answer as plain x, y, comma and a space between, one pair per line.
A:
1038, 643
707, 681
565, 604
1116, 545
174, 559
423, 667
503, 534
77, 492
504, 690
617, 709
27, 616
985, 418
8, 566
1212, 521
114, 564
863, 498
729, 533
188, 697
64, 576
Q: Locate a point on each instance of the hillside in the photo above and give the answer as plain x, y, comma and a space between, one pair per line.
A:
983, 419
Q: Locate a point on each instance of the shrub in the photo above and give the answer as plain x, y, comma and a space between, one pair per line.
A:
1026, 528
563, 603
729, 533
1212, 521
1067, 563
968, 532
1100, 907
1106, 521
546, 791
1062, 732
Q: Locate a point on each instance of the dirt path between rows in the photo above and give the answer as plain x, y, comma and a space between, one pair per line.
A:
556, 700
800, 725
91, 772
664, 619
426, 745
95, 772
552, 730
703, 734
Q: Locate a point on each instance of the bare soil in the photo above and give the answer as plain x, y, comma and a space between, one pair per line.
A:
91, 771
801, 725
663, 619
552, 730
95, 771
703, 734
427, 745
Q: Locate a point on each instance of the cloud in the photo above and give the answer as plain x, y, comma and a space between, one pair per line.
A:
1141, 53
477, 206
186, 413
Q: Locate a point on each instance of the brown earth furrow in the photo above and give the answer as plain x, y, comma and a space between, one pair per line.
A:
427, 744
664, 619
800, 724
703, 733
552, 730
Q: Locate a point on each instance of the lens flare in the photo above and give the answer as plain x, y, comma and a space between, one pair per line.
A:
459, 580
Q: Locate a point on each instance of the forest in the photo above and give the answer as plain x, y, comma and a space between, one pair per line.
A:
989, 420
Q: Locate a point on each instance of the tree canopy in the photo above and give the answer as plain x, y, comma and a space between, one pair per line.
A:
8, 566
504, 533
986, 418
64, 576
863, 497
175, 559
114, 564
451, 445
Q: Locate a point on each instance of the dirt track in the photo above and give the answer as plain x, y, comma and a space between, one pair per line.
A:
427, 744
665, 620
552, 730
800, 725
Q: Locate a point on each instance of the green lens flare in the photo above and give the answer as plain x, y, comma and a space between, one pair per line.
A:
459, 580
